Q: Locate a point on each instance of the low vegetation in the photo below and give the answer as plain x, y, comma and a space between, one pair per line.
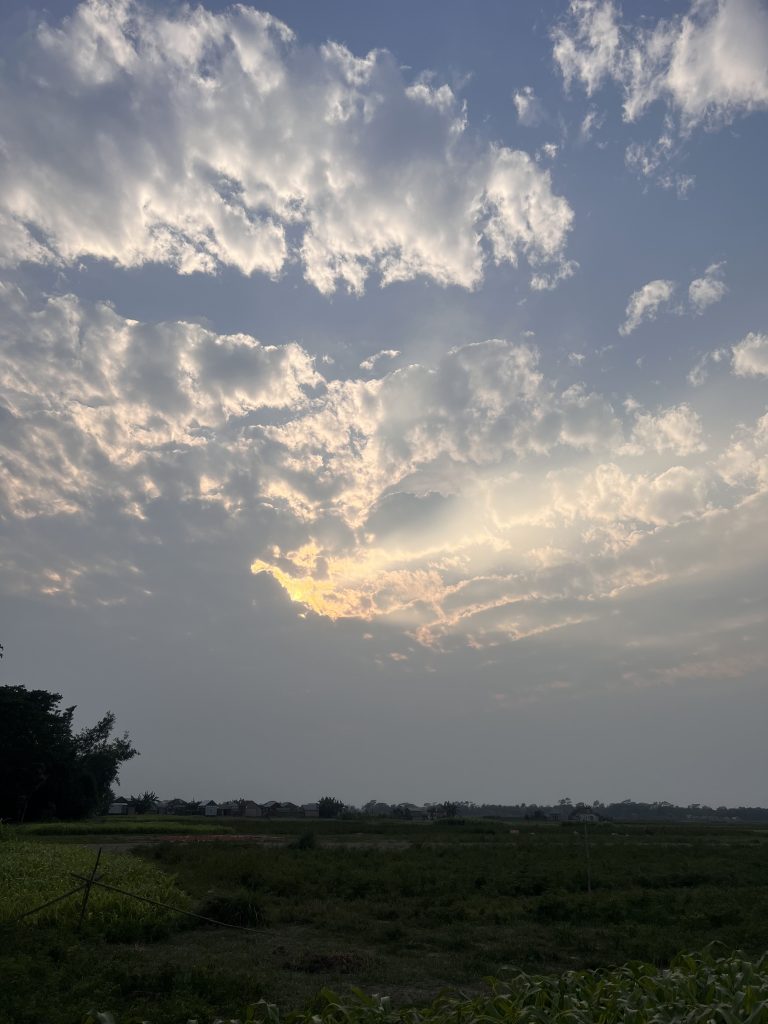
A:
411, 911
119, 827
31, 874
694, 989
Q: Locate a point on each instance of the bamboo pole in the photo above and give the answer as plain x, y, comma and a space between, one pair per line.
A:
87, 893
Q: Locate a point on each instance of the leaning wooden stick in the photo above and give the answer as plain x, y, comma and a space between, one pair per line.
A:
167, 906
88, 886
56, 899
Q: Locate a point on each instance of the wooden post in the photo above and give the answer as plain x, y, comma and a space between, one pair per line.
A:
87, 891
589, 866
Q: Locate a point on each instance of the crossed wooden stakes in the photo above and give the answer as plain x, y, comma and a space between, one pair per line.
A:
87, 882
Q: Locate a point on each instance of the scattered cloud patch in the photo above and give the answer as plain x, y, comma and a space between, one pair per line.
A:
530, 109
645, 304
700, 370
656, 296
707, 290
548, 151
707, 67
750, 356
592, 122
386, 353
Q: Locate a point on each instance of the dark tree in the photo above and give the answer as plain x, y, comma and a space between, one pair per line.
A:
145, 802
330, 807
47, 770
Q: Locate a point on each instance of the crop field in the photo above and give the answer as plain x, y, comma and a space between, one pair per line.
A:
119, 827
408, 911
32, 874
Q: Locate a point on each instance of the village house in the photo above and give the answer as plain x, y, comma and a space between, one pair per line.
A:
121, 806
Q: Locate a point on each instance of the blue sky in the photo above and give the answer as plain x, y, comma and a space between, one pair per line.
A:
384, 393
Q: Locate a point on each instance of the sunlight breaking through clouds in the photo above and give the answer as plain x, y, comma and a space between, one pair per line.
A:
471, 497
363, 368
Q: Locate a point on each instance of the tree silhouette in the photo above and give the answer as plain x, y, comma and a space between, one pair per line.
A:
46, 769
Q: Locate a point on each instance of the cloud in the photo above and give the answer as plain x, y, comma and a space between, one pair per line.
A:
592, 122
94, 404
530, 109
707, 290
200, 140
588, 45
386, 353
750, 356
645, 303
744, 463
652, 298
467, 500
707, 66
677, 430
700, 370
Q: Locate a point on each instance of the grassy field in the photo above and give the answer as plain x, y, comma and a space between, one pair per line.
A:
396, 908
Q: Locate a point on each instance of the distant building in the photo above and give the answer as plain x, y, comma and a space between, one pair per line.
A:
576, 814
311, 810
588, 814
287, 810
121, 806
253, 810
211, 809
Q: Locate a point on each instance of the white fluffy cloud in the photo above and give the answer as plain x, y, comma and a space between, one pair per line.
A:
201, 139
707, 66
645, 303
750, 356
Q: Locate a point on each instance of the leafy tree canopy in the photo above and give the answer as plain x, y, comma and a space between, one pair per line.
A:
144, 802
330, 807
46, 769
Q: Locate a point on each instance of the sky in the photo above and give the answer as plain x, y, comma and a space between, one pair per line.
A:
383, 405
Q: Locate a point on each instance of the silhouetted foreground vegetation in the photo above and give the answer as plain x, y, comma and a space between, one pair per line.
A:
406, 911
695, 988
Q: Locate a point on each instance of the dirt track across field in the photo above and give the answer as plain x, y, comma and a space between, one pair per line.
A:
350, 842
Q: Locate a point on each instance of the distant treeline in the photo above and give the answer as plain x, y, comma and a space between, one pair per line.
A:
563, 810
625, 810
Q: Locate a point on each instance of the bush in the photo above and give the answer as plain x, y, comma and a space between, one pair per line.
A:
306, 841
239, 908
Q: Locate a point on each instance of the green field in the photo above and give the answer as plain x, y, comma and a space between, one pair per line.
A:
404, 910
